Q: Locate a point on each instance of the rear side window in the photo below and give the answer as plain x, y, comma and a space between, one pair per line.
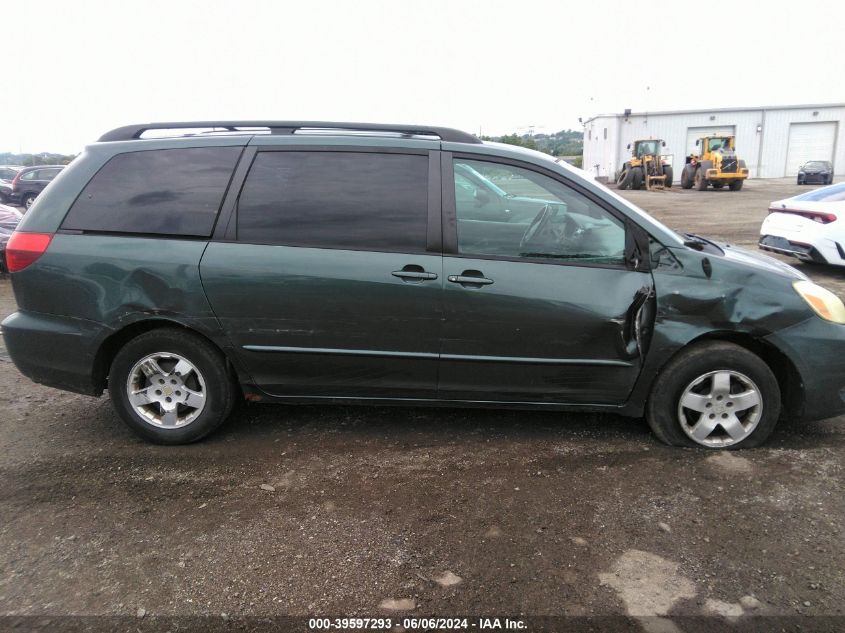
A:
47, 174
170, 192
342, 200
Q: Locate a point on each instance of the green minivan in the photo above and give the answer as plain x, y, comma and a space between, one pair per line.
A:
186, 266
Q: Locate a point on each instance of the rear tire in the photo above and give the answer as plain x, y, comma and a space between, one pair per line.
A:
736, 185
178, 367
687, 177
636, 178
27, 200
722, 383
667, 171
700, 181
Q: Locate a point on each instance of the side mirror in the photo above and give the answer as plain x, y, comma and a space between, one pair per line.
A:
664, 143
697, 142
629, 146
481, 197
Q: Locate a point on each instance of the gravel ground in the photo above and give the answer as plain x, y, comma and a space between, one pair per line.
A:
394, 511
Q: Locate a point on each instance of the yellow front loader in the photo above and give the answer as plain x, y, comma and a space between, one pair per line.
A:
716, 164
646, 167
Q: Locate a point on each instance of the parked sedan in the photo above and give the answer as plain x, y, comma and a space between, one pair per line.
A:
818, 172
9, 219
810, 226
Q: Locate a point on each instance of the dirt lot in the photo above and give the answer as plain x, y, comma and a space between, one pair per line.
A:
441, 512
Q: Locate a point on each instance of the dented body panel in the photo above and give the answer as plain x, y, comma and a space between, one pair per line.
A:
540, 333
107, 284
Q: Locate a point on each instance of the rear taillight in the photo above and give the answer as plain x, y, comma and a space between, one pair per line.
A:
24, 248
16, 179
816, 216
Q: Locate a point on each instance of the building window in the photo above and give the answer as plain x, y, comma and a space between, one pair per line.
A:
605, 134
590, 135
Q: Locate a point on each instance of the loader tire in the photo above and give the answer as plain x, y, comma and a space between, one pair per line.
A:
636, 178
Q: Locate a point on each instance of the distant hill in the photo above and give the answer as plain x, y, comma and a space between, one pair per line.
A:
44, 158
569, 143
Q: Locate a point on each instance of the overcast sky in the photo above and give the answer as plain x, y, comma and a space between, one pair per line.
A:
75, 69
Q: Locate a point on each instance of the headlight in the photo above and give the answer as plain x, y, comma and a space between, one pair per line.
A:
823, 302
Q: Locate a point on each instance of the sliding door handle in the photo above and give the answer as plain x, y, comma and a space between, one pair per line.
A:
414, 275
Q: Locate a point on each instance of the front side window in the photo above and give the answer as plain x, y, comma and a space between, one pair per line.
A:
534, 217
171, 192
339, 200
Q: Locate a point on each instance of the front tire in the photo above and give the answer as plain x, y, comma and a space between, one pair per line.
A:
714, 395
636, 178
736, 185
687, 176
667, 171
171, 387
624, 179
700, 180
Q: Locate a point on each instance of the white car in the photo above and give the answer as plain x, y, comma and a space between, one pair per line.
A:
810, 226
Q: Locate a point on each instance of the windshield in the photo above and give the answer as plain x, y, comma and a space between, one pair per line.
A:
647, 147
816, 164
714, 144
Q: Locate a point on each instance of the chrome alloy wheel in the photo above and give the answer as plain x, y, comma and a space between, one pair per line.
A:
720, 408
166, 390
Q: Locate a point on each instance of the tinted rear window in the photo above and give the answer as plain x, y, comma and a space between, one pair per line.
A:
171, 192
343, 200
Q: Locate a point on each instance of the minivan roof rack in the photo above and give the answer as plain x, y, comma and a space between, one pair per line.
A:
134, 132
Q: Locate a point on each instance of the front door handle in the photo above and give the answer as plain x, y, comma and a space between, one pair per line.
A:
471, 278
413, 272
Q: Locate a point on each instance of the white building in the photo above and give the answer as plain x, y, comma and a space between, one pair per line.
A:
773, 141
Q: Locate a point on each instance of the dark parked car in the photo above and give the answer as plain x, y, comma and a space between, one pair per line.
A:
30, 181
816, 172
319, 262
9, 219
7, 174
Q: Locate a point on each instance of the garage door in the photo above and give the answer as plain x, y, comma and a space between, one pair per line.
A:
695, 133
809, 141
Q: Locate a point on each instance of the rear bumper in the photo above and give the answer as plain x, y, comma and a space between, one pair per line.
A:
804, 252
54, 350
816, 347
715, 174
